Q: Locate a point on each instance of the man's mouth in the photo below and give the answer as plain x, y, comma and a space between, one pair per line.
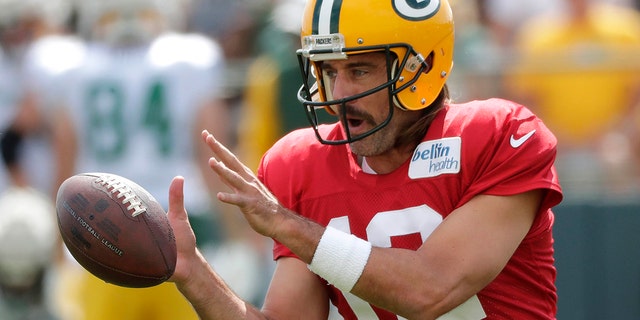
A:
358, 122
357, 126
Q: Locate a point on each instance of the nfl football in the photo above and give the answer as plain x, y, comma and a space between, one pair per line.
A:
116, 230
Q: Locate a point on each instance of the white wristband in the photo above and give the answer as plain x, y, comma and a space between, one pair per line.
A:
340, 258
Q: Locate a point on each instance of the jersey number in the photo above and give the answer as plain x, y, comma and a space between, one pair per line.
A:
109, 112
388, 224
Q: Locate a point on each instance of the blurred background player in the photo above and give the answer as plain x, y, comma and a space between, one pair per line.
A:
579, 68
136, 101
235, 25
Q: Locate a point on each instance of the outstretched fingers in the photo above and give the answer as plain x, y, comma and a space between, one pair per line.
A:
224, 155
231, 179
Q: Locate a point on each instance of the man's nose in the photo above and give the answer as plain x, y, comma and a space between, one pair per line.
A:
342, 87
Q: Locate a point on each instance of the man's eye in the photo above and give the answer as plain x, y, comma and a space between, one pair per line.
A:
359, 73
330, 73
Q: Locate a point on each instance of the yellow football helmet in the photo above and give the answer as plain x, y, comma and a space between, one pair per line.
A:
417, 37
28, 236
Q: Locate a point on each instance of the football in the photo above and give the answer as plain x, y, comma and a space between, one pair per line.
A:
116, 230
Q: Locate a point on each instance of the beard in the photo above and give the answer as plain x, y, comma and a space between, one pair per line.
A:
376, 144
388, 137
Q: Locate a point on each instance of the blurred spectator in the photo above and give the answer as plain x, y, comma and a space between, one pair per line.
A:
506, 16
580, 70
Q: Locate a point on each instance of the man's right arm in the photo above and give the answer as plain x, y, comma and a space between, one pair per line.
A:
212, 298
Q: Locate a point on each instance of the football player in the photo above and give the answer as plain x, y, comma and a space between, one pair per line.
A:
422, 207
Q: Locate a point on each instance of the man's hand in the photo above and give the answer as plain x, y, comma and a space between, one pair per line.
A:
261, 209
193, 276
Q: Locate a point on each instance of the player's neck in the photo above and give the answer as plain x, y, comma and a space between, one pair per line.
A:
383, 164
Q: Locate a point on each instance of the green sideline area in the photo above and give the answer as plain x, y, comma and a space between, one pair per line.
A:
598, 261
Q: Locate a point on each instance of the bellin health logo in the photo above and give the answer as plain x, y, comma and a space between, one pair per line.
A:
436, 157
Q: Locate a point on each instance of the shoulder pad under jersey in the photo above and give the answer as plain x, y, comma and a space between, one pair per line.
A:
55, 54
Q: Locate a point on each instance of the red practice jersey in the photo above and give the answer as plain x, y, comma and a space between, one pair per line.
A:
492, 147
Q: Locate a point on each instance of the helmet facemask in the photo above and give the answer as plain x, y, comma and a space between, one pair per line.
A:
316, 94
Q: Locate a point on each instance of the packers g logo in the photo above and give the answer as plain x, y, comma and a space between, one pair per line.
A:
416, 9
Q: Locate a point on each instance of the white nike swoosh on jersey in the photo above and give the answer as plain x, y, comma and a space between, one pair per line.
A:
515, 143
